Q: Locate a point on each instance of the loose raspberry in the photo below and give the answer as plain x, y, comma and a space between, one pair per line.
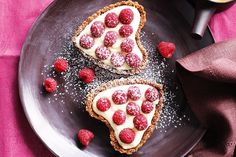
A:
86, 41
119, 117
134, 93
110, 38
61, 65
126, 16
166, 49
132, 109
140, 122
127, 135
111, 20
97, 29
117, 59
133, 60
151, 94
147, 106
50, 84
102, 52
86, 75
85, 136
103, 104
127, 45
125, 30
119, 97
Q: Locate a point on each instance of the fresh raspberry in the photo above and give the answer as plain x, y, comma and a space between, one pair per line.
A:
86, 75
61, 65
133, 60
117, 59
127, 135
126, 16
102, 52
134, 93
111, 20
85, 136
166, 49
50, 84
132, 109
103, 104
110, 38
127, 45
151, 94
86, 41
119, 97
125, 30
140, 122
119, 117
97, 29
147, 106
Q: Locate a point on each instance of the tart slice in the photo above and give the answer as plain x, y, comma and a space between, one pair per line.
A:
111, 38
130, 108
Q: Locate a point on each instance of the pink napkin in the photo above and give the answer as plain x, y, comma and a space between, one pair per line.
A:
16, 17
223, 24
17, 139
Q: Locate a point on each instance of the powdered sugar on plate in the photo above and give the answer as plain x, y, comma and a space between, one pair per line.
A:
69, 84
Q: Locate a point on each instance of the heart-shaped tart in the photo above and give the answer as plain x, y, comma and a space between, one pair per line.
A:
111, 38
130, 108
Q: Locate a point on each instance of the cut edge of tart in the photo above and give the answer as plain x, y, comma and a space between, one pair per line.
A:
122, 82
100, 63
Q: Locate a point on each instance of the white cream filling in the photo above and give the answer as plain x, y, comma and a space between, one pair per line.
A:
116, 47
129, 119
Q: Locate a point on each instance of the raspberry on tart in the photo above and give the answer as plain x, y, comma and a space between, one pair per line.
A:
134, 93
119, 97
140, 122
126, 16
127, 135
127, 45
119, 117
111, 20
86, 41
132, 109
117, 59
97, 29
125, 30
110, 38
102, 52
133, 60
103, 104
147, 107
151, 94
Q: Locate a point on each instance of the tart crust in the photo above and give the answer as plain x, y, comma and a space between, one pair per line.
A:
120, 82
137, 37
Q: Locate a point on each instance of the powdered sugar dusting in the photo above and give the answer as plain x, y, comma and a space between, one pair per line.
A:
69, 85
